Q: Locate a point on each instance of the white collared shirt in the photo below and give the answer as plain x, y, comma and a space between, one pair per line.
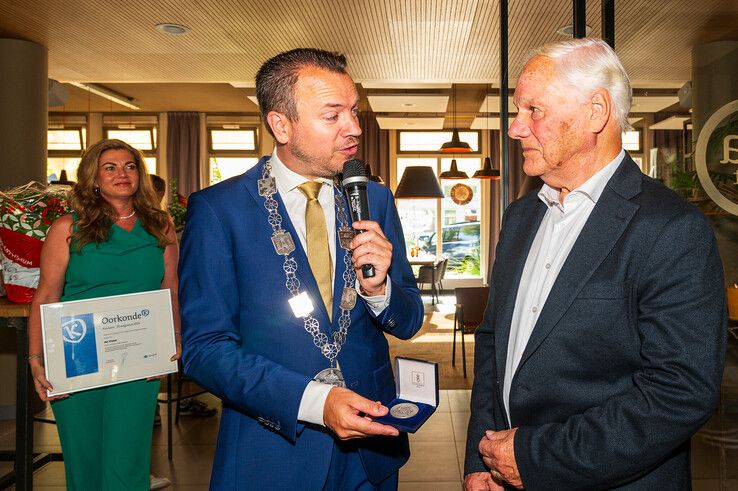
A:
315, 394
296, 204
551, 246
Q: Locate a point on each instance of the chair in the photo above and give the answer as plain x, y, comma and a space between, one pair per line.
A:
171, 399
433, 276
470, 305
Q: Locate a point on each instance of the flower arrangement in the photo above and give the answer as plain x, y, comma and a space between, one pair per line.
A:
26, 213
177, 206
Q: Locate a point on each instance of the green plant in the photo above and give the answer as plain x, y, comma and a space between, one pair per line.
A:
215, 175
682, 181
469, 265
176, 209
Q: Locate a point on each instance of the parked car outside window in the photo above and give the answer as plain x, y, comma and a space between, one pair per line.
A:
460, 245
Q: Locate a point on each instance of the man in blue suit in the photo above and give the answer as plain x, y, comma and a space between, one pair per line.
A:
278, 319
602, 347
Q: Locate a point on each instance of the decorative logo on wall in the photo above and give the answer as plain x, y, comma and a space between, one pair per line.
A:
716, 157
461, 194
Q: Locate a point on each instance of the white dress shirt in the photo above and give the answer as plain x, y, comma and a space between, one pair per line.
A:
315, 394
552, 244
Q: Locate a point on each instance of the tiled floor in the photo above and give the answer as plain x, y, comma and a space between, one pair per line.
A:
437, 448
436, 463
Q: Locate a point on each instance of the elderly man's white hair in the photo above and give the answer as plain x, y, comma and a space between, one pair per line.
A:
589, 64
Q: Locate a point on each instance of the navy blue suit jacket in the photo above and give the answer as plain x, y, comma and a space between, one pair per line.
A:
242, 342
625, 361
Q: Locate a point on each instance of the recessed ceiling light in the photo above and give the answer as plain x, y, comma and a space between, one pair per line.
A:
172, 29
408, 104
569, 30
409, 124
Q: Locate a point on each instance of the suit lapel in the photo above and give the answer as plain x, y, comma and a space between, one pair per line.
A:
304, 273
603, 229
521, 240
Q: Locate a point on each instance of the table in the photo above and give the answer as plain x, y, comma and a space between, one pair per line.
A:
426, 260
15, 316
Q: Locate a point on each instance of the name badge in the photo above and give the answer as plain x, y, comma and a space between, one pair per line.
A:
301, 304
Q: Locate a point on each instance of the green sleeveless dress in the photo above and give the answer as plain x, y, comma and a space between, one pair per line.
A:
129, 262
106, 433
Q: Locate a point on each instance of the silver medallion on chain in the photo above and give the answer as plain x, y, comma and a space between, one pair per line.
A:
348, 298
345, 236
331, 376
284, 245
267, 186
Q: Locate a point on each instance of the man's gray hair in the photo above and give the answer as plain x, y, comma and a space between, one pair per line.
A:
589, 64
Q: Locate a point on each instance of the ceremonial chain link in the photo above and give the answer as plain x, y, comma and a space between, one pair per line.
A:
312, 326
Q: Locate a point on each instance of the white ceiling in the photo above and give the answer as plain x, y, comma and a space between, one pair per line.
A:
390, 44
405, 123
672, 123
400, 103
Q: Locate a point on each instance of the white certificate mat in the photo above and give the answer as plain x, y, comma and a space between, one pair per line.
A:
107, 340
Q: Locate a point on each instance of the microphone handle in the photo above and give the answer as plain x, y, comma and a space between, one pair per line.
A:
359, 210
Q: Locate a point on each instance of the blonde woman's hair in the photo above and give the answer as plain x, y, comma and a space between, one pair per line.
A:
95, 215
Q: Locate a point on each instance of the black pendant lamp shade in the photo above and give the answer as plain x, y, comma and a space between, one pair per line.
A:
418, 181
453, 172
487, 172
63, 179
455, 145
370, 175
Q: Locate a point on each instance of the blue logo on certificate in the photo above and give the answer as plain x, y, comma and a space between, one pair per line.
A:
80, 349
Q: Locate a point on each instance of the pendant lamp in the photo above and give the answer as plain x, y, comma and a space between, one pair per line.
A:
370, 175
455, 145
419, 182
487, 172
453, 172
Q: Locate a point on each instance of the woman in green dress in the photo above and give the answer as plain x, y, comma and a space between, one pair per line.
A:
118, 240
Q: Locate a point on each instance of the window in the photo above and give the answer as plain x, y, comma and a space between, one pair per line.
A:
418, 216
431, 141
232, 150
461, 218
66, 140
632, 141
456, 222
140, 137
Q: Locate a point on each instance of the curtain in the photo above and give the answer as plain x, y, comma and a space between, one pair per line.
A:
374, 145
517, 184
183, 150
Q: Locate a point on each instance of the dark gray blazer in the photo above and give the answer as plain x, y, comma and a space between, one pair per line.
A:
625, 361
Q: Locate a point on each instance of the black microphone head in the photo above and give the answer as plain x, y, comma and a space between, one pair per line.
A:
353, 168
353, 171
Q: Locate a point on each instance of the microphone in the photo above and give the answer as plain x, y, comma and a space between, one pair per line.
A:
354, 185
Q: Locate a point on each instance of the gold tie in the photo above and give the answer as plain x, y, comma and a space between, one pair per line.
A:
319, 255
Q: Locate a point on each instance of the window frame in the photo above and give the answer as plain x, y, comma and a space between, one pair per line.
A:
401, 152
154, 152
232, 153
229, 154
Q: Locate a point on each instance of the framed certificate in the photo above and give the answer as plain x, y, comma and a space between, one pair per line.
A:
107, 340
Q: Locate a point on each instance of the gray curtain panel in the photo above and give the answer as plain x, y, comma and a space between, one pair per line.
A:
183, 151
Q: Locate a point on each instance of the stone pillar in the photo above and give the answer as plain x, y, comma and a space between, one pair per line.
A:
24, 115
714, 79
